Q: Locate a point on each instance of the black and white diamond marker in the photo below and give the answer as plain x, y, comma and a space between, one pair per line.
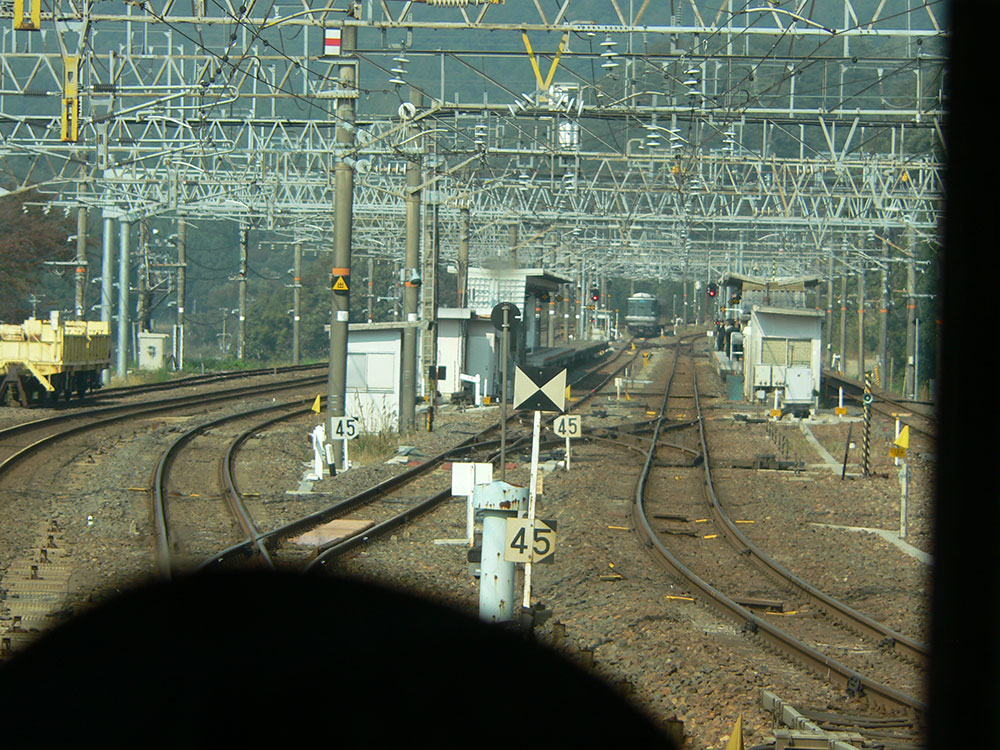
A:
540, 388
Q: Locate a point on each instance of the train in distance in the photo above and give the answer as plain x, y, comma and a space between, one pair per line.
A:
643, 316
53, 358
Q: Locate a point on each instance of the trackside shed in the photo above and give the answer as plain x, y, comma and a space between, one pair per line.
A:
782, 352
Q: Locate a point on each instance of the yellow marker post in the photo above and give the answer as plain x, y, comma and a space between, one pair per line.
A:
316, 407
736, 736
899, 446
903, 440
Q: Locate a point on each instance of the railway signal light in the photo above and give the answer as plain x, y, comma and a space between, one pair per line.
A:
595, 294
713, 289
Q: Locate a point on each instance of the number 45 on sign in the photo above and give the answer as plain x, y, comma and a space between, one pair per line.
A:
568, 425
344, 428
540, 548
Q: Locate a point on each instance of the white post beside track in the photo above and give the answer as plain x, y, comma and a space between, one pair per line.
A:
532, 497
318, 440
904, 485
497, 501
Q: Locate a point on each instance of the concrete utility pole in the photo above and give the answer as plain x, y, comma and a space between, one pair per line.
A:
883, 319
684, 288
242, 280
909, 380
181, 289
603, 304
463, 257
123, 280
566, 307
411, 278
343, 217
828, 328
371, 289
843, 316
79, 306
429, 292
550, 337
107, 279
296, 300
142, 279
861, 321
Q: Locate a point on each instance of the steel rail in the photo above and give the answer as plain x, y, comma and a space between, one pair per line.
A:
77, 405
917, 409
201, 379
121, 413
810, 657
301, 525
168, 403
158, 486
847, 616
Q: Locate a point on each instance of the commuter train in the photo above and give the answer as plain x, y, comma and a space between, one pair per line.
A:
52, 357
642, 315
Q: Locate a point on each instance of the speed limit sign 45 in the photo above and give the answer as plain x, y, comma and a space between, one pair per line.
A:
568, 426
525, 544
344, 428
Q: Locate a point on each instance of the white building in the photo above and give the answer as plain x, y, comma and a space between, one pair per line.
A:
782, 351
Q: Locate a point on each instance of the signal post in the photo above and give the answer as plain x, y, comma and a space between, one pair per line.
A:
346, 97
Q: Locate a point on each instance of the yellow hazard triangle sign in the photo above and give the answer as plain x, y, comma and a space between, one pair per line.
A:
900, 444
736, 738
903, 441
340, 285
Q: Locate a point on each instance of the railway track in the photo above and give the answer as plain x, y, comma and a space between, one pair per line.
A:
691, 551
417, 489
397, 516
39, 523
918, 415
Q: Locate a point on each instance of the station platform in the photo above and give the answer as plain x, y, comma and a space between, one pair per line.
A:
731, 373
726, 366
565, 356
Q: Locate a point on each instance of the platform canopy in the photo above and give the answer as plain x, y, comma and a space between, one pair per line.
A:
742, 282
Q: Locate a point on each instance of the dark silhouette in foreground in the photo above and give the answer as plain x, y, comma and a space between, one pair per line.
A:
293, 660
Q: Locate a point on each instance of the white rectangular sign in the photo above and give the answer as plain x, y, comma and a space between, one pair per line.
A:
331, 41
568, 426
344, 428
465, 476
540, 547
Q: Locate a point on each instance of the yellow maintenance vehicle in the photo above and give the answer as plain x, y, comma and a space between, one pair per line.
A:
52, 358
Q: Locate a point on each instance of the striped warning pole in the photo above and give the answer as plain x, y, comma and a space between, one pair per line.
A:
867, 402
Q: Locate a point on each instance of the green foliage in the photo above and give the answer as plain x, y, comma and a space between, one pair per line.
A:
217, 364
927, 312
27, 240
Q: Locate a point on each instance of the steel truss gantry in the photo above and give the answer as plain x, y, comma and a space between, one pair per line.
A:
726, 129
